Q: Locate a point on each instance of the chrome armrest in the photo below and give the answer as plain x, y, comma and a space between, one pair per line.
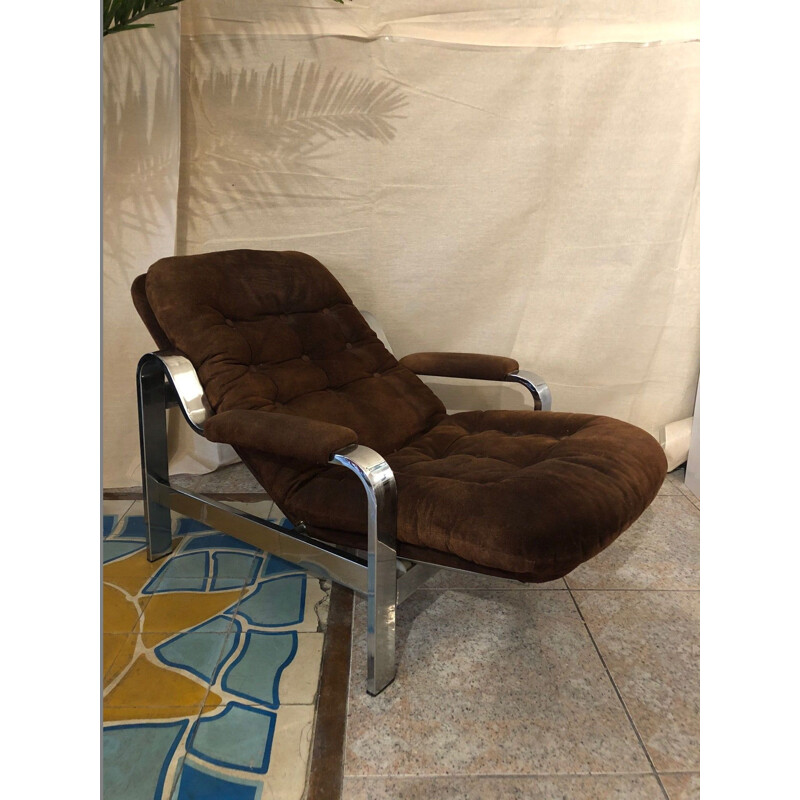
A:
542, 399
181, 376
378, 481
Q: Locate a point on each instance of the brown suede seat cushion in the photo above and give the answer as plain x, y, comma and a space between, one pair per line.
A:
526, 494
531, 494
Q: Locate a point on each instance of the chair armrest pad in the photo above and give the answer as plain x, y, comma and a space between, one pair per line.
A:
460, 365
280, 434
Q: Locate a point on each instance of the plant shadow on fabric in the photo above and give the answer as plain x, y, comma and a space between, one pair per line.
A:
265, 132
140, 154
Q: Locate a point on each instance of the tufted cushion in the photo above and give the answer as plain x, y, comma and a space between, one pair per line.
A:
277, 332
531, 494
520, 493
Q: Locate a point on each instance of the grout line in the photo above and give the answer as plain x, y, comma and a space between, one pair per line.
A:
619, 695
495, 775
628, 589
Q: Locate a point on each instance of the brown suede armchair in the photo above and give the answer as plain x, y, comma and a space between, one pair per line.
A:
265, 351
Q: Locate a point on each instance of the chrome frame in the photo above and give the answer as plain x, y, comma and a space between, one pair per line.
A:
542, 398
167, 378
379, 484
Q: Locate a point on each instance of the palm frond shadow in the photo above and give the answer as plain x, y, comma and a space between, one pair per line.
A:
254, 136
330, 105
141, 157
293, 117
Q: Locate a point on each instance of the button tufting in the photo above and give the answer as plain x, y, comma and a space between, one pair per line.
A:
349, 345
305, 357
229, 323
376, 374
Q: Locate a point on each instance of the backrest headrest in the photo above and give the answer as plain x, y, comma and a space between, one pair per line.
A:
276, 331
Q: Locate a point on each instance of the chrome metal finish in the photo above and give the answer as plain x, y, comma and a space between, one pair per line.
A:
379, 484
408, 583
191, 398
151, 390
291, 544
542, 399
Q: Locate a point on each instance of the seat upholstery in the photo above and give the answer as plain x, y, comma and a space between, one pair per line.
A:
525, 494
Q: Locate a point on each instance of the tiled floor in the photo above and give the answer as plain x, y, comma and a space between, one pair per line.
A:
211, 665
587, 687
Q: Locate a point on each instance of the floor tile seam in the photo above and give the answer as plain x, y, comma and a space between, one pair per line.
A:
679, 772
617, 589
246, 702
193, 706
495, 775
684, 489
619, 695
686, 497
486, 589
482, 590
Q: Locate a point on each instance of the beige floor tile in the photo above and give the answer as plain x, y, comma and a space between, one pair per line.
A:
686, 492
682, 785
677, 476
489, 682
661, 550
117, 509
300, 679
651, 644
546, 787
136, 509
671, 483
454, 579
291, 748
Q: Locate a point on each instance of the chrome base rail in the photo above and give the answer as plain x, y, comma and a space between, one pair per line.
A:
290, 544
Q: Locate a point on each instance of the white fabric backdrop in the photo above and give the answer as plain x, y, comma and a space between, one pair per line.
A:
519, 181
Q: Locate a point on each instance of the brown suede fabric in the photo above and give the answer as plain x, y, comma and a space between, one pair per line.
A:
282, 434
140, 301
531, 493
273, 335
460, 365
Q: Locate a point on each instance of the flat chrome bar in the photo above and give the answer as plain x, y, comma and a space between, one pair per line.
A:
324, 561
535, 384
180, 373
378, 480
409, 583
151, 392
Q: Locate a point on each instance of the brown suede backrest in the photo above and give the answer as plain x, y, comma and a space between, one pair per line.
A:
276, 331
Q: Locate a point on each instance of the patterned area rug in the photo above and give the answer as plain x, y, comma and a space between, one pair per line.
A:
211, 660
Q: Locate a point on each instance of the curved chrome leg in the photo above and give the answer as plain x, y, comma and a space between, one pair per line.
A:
542, 399
378, 480
151, 391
